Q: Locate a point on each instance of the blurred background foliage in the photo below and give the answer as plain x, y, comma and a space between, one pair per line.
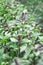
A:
35, 7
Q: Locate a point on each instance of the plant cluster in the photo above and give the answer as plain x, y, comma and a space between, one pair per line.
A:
21, 39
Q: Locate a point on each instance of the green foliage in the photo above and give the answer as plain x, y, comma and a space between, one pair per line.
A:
21, 39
